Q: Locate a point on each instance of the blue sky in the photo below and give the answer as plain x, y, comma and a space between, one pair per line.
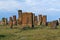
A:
51, 8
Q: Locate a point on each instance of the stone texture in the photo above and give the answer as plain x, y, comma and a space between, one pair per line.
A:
20, 17
11, 22
19, 13
14, 20
4, 21
35, 20
59, 21
27, 19
40, 20
53, 24
44, 20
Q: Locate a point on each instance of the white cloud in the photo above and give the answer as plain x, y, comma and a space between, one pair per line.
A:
48, 7
52, 9
31, 5
8, 5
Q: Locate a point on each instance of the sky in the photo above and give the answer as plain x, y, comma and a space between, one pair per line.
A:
51, 8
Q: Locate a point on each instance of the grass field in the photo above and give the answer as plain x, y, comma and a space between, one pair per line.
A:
37, 33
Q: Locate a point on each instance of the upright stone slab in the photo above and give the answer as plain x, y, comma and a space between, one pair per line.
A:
20, 17
14, 20
53, 24
19, 13
27, 19
3, 21
11, 22
40, 20
35, 20
44, 20
59, 21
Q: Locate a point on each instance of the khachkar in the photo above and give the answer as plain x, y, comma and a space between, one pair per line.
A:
44, 20
27, 19
14, 20
40, 20
4, 21
11, 22
59, 21
53, 24
20, 17
35, 20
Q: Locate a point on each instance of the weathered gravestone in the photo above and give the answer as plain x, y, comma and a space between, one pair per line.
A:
11, 22
35, 20
27, 19
53, 24
14, 20
59, 21
44, 20
20, 17
40, 20
4, 21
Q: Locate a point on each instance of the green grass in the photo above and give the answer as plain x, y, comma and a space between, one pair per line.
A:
37, 33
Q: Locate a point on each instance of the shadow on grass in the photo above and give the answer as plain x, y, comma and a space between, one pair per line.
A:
2, 36
28, 28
